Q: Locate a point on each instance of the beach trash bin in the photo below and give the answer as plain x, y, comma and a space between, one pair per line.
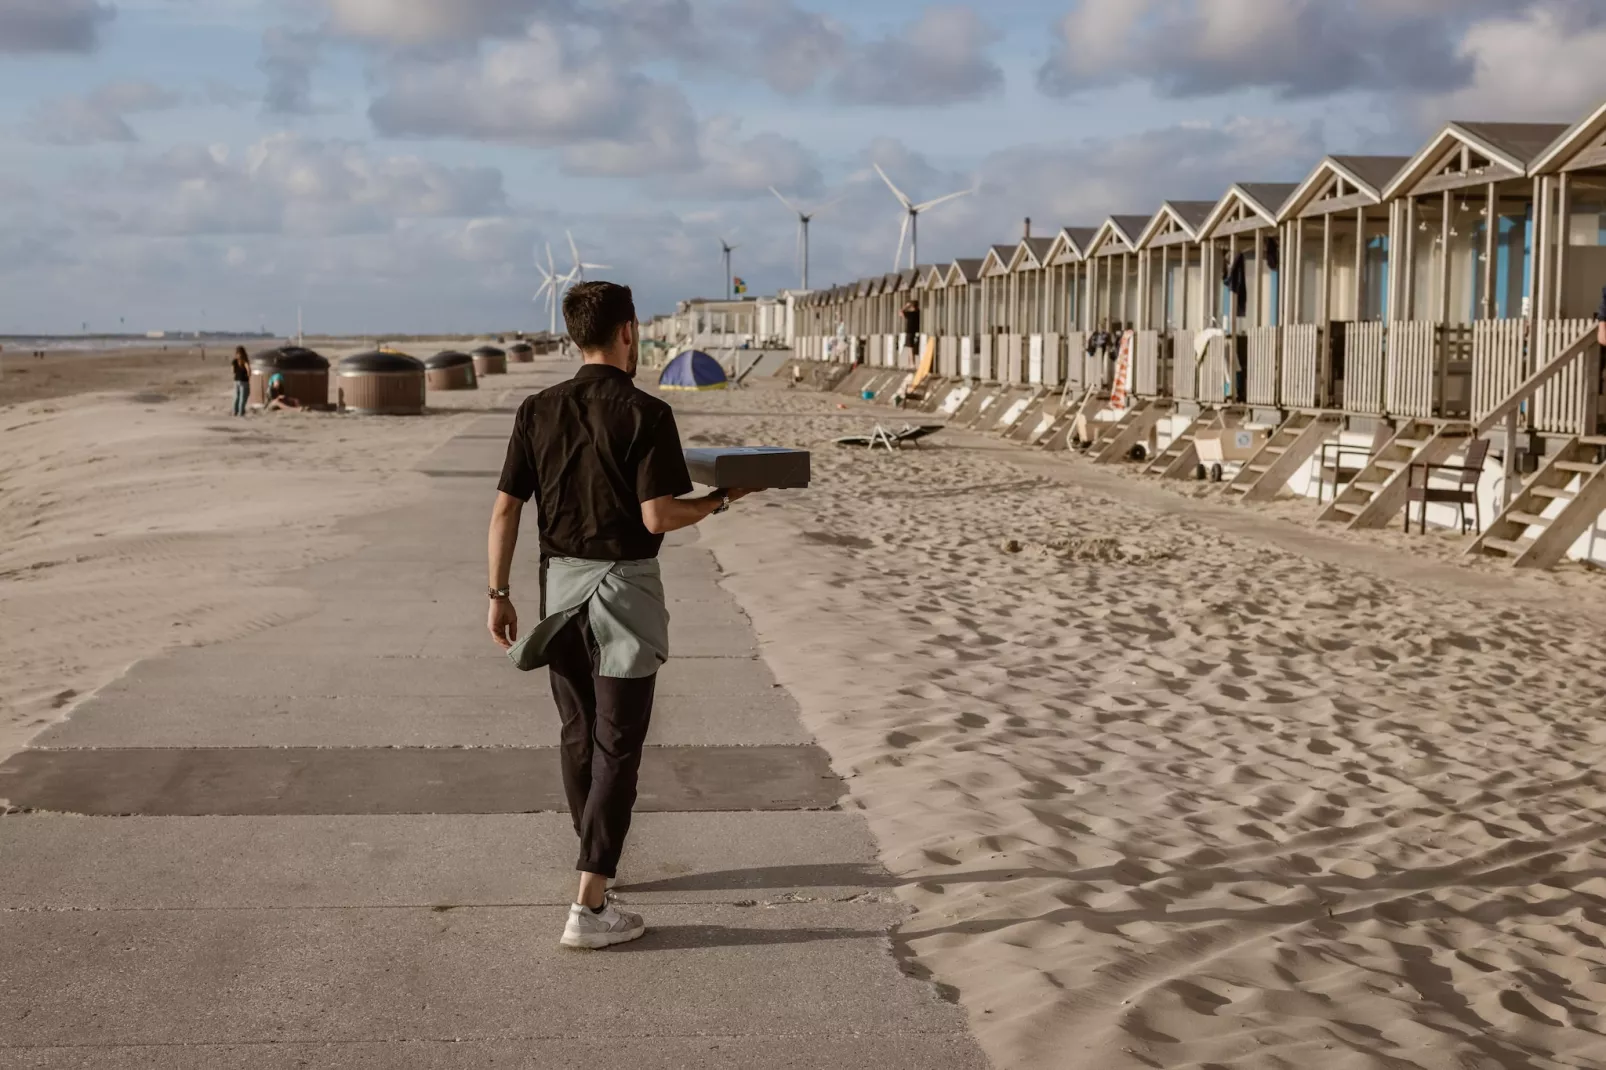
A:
305, 374
450, 370
382, 383
489, 360
521, 353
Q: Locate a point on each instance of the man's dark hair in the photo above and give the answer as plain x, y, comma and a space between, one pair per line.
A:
594, 312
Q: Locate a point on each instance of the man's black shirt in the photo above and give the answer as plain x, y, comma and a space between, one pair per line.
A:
589, 452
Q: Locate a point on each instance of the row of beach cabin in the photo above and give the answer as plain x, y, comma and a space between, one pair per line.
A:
1455, 290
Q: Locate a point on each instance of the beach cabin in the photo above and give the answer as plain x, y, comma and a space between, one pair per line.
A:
931, 293
1114, 284
1170, 313
997, 321
1333, 306
1242, 263
964, 290
1070, 310
1029, 298
1466, 214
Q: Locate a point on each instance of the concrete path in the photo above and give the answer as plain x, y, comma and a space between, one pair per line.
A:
339, 843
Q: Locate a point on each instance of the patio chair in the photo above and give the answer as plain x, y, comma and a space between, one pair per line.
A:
892, 440
1461, 493
1345, 463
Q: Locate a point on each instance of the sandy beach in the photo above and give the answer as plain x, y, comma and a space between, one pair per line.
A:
1169, 783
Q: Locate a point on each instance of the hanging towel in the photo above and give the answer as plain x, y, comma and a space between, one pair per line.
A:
1272, 255
1238, 285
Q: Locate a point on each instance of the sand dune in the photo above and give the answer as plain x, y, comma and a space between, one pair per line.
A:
1187, 798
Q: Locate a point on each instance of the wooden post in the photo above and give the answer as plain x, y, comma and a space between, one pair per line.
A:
1324, 300
1531, 283
1296, 312
1408, 275
1506, 488
1360, 265
1126, 296
1445, 229
1558, 285
1538, 300
1491, 230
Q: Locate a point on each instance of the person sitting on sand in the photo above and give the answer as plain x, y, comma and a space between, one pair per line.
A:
242, 380
277, 398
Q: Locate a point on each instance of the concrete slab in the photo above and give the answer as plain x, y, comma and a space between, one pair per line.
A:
195, 699
61, 862
384, 974
298, 780
895, 1051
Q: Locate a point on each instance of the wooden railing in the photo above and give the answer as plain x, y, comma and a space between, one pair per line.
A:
1214, 371
1074, 344
1365, 367
947, 356
1263, 356
1184, 372
1567, 404
1499, 362
1146, 363
1413, 358
1302, 348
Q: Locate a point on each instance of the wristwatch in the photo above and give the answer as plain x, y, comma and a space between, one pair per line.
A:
499, 594
724, 503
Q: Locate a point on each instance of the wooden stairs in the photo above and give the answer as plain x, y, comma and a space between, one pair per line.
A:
1377, 495
1058, 438
1028, 420
1134, 426
1180, 460
1578, 462
1265, 474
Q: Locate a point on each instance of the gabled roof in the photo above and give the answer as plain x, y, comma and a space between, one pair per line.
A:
1188, 215
1030, 253
1070, 244
964, 271
1264, 199
1581, 135
1121, 229
996, 262
1367, 175
907, 278
933, 277
867, 286
1513, 146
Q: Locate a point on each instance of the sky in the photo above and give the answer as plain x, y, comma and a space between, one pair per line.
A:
401, 166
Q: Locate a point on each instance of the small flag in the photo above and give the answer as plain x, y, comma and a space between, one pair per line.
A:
741, 285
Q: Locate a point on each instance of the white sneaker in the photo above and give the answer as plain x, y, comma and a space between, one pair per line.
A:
592, 930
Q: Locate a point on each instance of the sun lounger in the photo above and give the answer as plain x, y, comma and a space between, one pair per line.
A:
892, 440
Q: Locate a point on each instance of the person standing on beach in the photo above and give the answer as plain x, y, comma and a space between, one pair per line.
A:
911, 327
603, 463
242, 380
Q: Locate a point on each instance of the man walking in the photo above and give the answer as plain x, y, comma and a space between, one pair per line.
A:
603, 463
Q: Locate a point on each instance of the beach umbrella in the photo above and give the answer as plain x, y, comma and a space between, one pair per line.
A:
693, 370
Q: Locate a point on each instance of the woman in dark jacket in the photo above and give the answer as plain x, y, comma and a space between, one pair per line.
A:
242, 380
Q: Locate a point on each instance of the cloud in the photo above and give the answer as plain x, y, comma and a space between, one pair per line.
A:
940, 58
795, 47
546, 90
99, 116
1544, 63
1294, 48
52, 25
290, 184
426, 23
288, 58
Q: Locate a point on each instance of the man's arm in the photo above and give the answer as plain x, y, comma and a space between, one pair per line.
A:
503, 620
663, 515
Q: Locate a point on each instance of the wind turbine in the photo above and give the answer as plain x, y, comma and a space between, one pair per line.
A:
728, 249
580, 266
552, 285
911, 221
803, 221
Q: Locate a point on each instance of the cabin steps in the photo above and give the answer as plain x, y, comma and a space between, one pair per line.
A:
1523, 535
1376, 496
1134, 427
1267, 473
1180, 459
1026, 424
1071, 416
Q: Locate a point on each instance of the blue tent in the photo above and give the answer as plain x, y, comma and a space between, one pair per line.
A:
693, 370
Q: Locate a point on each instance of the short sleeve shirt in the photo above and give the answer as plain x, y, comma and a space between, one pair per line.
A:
588, 452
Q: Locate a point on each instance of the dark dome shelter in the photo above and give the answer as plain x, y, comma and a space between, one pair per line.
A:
451, 370
489, 360
306, 375
521, 352
382, 384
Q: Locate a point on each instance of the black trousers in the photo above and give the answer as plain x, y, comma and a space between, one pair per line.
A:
604, 727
